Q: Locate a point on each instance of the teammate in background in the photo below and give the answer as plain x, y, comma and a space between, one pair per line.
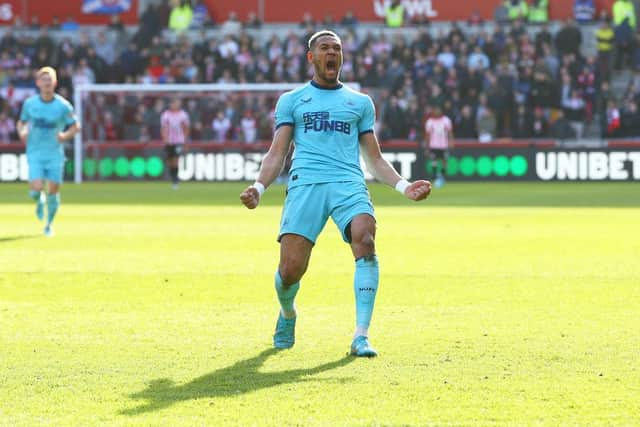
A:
439, 133
174, 127
331, 125
46, 122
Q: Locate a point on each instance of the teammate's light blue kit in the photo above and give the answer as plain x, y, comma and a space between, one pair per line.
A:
45, 155
325, 179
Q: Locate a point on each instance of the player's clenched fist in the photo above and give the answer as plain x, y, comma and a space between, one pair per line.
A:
250, 197
418, 190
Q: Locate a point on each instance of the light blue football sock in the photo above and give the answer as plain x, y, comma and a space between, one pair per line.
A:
35, 195
53, 202
365, 285
286, 296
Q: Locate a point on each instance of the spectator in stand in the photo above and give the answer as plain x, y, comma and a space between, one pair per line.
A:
7, 128
543, 91
349, 20
55, 23
201, 16
150, 26
605, 39
130, 61
539, 12
97, 65
43, 41
105, 48
394, 14
221, 126
574, 111
465, 124
561, 128
566, 85
613, 120
163, 10
630, 119
521, 125
549, 63
516, 9
569, 39
478, 59
500, 99
486, 125
328, 21
69, 24
414, 119
635, 56
447, 58
65, 81
475, 18
624, 21
181, 16
624, 10
543, 37
249, 127
587, 86
83, 73
156, 71
394, 119
540, 124
108, 130
34, 22
116, 24
307, 21
232, 25
584, 11
253, 21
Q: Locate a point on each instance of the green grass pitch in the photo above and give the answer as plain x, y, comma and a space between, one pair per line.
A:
499, 304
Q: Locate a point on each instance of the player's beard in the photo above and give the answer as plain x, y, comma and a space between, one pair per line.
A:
330, 75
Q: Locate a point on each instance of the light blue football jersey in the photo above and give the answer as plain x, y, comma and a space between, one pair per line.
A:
327, 125
45, 120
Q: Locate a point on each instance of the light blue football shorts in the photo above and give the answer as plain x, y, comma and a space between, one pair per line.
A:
308, 207
50, 169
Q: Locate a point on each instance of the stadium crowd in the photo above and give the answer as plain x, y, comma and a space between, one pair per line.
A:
504, 80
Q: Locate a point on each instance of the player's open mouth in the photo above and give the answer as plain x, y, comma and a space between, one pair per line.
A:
332, 65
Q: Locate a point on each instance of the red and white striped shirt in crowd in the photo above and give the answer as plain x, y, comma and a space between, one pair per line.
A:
438, 129
173, 123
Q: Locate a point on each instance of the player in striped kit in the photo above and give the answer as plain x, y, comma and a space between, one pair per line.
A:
439, 133
175, 127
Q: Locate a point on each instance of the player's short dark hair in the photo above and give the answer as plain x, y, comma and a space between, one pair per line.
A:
317, 35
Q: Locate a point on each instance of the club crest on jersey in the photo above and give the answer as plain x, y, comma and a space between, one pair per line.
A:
305, 101
320, 121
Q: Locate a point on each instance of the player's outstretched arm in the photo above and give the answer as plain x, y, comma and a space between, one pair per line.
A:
384, 172
271, 166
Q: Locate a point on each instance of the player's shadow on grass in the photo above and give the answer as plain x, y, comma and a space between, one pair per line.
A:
15, 238
240, 378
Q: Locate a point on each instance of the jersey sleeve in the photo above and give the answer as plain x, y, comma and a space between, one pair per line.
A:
69, 115
368, 120
186, 119
449, 125
25, 116
284, 111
